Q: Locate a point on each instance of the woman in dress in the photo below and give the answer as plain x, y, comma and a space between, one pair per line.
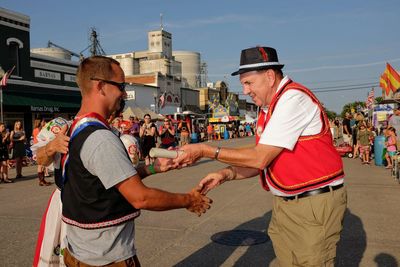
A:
5, 141
18, 143
148, 135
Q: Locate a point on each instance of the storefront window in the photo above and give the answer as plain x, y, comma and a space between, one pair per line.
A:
10, 118
14, 57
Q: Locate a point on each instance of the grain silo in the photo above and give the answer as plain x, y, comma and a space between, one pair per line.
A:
190, 67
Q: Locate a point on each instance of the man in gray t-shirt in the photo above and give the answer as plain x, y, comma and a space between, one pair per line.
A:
102, 155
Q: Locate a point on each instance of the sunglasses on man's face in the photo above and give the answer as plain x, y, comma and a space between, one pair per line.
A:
121, 86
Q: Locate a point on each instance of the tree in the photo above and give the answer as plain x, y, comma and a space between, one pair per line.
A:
331, 114
349, 106
378, 99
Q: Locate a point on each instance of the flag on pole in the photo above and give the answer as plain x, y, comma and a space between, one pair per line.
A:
383, 84
161, 101
3, 82
390, 79
370, 99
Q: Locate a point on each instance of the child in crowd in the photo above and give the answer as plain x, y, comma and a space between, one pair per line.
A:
390, 146
363, 140
371, 140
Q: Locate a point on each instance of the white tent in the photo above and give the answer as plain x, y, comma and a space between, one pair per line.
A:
140, 112
248, 119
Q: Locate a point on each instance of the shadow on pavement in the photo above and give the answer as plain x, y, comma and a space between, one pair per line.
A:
350, 249
24, 178
353, 242
385, 260
215, 254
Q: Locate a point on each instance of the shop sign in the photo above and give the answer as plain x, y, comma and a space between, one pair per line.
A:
130, 95
69, 78
47, 75
220, 111
45, 109
381, 116
225, 119
383, 107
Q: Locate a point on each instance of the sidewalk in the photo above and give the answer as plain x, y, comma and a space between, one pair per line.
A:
371, 234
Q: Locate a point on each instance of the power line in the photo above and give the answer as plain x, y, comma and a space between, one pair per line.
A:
344, 89
345, 86
335, 88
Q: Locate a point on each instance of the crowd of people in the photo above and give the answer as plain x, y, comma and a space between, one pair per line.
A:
12, 150
167, 132
357, 131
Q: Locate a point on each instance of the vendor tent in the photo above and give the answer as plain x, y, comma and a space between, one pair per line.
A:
248, 119
140, 112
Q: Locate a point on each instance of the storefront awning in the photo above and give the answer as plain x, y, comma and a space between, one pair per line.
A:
41, 101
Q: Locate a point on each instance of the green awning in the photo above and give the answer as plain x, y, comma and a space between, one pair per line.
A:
42, 100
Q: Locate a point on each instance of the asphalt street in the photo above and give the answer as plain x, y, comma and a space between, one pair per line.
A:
224, 236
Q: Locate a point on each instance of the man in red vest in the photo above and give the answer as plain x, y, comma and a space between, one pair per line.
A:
295, 159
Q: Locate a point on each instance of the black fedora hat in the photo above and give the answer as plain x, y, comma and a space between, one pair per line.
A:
258, 58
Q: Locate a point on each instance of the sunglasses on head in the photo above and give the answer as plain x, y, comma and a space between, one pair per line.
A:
121, 86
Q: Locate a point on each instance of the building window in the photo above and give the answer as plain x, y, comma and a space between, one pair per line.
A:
13, 51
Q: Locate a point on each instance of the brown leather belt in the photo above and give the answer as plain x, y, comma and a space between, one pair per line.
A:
318, 191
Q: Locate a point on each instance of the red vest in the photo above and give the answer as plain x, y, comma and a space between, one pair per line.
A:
314, 161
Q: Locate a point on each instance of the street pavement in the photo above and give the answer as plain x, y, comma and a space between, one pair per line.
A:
371, 235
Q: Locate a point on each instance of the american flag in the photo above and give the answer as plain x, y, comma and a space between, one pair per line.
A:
370, 99
6, 75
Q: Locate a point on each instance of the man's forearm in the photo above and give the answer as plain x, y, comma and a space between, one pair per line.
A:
237, 173
255, 157
244, 172
45, 155
142, 197
159, 200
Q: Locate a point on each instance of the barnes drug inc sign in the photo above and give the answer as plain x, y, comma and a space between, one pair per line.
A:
45, 109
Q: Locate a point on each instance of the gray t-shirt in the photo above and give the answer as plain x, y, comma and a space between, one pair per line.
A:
104, 155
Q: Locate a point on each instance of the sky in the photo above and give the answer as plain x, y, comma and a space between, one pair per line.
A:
338, 49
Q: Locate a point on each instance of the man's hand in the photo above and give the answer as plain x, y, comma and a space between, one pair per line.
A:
59, 143
164, 164
211, 181
199, 203
191, 154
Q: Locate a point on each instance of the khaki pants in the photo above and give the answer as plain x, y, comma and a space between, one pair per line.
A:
305, 231
71, 261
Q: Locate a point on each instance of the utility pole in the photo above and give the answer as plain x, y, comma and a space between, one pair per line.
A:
95, 47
